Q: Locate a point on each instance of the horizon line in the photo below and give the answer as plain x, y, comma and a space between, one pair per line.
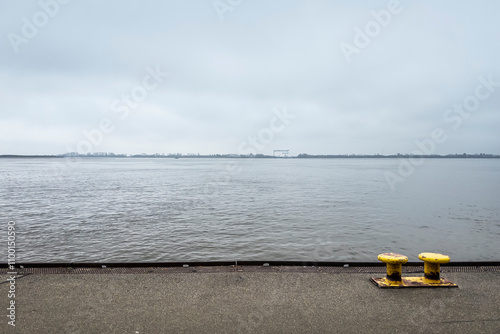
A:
234, 155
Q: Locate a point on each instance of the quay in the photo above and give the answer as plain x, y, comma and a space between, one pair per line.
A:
247, 298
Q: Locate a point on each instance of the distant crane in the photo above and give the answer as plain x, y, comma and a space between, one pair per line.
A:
281, 153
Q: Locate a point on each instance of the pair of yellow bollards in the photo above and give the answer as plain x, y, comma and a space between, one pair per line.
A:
431, 278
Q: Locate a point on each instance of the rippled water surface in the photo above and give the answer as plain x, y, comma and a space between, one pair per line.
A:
130, 210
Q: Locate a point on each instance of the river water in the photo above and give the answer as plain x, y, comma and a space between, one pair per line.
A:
141, 209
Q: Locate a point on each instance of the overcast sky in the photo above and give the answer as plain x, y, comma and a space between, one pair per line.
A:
362, 77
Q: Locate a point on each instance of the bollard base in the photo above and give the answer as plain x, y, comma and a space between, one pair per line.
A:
412, 282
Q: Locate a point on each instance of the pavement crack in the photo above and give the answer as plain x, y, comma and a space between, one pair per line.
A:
17, 277
462, 321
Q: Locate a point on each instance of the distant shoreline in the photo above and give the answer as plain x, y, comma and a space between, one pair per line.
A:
257, 156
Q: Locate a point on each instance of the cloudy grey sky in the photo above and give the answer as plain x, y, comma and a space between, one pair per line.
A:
361, 77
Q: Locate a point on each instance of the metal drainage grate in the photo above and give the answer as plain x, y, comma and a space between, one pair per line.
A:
232, 268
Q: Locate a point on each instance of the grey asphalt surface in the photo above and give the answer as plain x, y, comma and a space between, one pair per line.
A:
235, 302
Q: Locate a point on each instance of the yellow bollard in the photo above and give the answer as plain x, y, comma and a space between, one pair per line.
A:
432, 266
394, 262
431, 277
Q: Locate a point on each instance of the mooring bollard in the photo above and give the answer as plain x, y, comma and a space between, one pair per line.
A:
432, 266
431, 277
394, 262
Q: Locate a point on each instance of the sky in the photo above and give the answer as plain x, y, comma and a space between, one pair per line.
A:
241, 76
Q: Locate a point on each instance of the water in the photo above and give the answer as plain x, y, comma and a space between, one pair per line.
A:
130, 210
